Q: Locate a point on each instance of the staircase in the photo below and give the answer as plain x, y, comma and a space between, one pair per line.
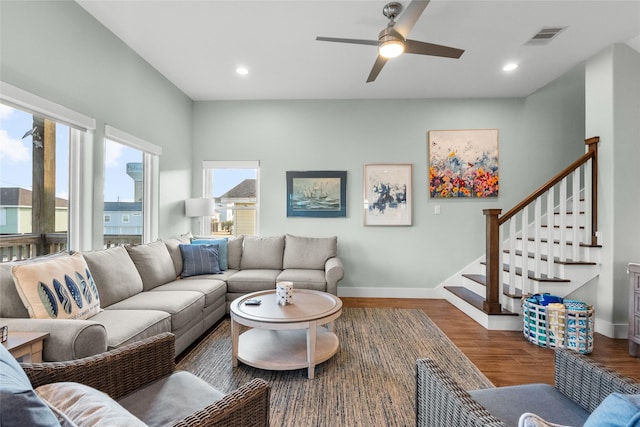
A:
550, 235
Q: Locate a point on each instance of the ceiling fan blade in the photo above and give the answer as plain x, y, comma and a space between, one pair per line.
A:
377, 67
410, 16
422, 48
352, 41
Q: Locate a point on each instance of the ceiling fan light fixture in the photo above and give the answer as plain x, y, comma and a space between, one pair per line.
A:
391, 48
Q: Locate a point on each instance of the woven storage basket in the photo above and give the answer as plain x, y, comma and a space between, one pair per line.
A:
556, 326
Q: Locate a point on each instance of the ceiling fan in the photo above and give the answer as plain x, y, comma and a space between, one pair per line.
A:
393, 41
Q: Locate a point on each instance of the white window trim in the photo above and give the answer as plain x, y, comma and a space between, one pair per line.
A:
208, 165
151, 178
81, 133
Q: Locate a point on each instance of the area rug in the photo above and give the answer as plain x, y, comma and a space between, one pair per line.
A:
369, 382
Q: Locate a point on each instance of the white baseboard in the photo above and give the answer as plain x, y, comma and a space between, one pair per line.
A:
611, 330
369, 292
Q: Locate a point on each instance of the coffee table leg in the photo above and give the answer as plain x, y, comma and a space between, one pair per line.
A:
311, 348
235, 336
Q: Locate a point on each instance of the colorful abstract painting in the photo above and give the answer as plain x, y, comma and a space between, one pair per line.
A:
463, 163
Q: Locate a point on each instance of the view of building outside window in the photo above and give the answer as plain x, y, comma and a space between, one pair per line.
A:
27, 140
234, 191
123, 194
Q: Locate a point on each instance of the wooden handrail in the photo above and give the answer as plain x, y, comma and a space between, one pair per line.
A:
494, 221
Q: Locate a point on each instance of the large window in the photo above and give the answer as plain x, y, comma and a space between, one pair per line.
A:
130, 188
235, 187
40, 165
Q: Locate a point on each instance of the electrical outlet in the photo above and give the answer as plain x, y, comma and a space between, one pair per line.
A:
436, 210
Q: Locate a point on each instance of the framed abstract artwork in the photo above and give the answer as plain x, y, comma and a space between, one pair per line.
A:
321, 194
463, 163
388, 194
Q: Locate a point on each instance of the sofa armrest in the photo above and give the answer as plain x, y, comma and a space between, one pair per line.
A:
440, 401
247, 406
117, 372
587, 382
76, 339
333, 273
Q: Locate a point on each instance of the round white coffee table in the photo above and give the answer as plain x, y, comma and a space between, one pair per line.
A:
285, 337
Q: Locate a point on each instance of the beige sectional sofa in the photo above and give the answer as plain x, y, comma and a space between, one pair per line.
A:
141, 293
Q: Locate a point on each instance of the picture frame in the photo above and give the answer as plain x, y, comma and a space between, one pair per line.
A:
388, 194
463, 163
319, 194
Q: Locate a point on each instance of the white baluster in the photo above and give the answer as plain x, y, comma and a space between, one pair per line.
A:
550, 252
562, 220
525, 250
537, 244
587, 203
575, 237
512, 254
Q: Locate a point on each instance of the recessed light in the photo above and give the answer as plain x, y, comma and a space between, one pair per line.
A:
243, 71
510, 66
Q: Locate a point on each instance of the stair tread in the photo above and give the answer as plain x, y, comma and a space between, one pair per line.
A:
474, 299
556, 260
531, 274
557, 242
506, 289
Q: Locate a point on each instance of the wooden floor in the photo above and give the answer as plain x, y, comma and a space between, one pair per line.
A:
505, 357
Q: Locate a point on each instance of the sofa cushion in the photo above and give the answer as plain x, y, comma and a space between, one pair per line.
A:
304, 279
10, 302
127, 326
532, 420
21, 406
114, 273
212, 288
222, 250
509, 403
245, 281
308, 252
173, 246
170, 399
153, 263
262, 253
616, 410
183, 306
57, 288
84, 405
234, 252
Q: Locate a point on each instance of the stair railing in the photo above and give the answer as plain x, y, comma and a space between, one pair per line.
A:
551, 198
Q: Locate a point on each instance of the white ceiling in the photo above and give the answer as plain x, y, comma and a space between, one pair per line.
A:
197, 45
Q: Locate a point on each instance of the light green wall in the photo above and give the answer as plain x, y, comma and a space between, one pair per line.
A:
344, 135
56, 50
613, 113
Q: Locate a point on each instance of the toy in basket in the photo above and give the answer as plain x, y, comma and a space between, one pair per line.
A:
551, 322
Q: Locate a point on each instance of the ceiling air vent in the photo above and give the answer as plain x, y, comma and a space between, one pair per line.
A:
544, 36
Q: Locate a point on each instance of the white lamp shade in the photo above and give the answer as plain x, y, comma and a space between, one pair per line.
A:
201, 206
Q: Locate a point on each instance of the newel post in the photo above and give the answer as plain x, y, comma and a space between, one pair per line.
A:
492, 301
592, 144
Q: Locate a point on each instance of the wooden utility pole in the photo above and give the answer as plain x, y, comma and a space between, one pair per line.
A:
43, 196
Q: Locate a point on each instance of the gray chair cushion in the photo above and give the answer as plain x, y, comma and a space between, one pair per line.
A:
509, 403
170, 399
184, 306
262, 253
304, 279
115, 274
308, 252
127, 326
153, 262
245, 281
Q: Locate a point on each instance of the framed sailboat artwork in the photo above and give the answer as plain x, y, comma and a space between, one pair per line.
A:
320, 194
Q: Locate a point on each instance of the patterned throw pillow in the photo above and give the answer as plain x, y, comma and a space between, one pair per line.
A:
60, 288
199, 259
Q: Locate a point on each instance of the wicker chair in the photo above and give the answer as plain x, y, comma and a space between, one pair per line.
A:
121, 371
440, 401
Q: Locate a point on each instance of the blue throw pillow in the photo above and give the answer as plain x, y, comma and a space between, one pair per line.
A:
199, 259
222, 250
617, 410
21, 406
